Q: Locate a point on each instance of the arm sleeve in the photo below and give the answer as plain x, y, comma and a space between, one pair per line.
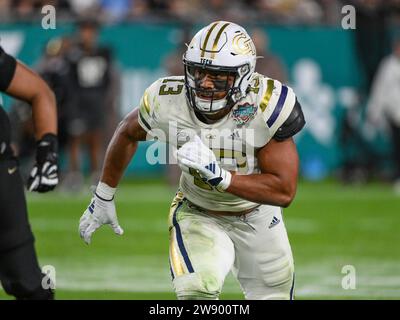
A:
8, 65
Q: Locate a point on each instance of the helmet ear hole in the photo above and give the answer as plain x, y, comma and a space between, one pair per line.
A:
244, 69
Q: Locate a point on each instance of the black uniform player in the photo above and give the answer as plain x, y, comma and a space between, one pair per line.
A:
54, 69
90, 69
20, 274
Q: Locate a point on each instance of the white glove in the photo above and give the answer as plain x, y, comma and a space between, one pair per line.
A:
100, 211
195, 155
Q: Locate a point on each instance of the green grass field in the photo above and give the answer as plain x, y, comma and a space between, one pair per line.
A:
329, 226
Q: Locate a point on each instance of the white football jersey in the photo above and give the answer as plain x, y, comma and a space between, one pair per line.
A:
235, 139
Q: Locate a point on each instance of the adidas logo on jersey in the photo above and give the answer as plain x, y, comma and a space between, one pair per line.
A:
274, 222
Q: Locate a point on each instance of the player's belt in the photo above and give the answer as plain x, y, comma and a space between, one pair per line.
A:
223, 213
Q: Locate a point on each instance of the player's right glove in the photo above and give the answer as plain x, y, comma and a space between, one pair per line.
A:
100, 211
44, 175
195, 156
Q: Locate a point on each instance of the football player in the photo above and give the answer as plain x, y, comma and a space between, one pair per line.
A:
20, 274
234, 134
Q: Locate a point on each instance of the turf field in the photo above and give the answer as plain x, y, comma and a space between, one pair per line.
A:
329, 225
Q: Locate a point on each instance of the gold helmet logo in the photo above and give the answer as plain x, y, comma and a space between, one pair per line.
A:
242, 44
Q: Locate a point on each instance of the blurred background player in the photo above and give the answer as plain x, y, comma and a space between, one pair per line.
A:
384, 105
20, 274
54, 68
92, 106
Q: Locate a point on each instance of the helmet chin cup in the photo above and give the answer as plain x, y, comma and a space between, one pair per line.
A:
210, 106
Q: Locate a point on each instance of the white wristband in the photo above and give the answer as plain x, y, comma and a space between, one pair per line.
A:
226, 181
105, 192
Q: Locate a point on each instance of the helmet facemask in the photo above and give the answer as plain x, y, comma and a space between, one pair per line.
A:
222, 82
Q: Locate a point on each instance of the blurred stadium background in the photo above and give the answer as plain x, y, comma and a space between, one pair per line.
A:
348, 201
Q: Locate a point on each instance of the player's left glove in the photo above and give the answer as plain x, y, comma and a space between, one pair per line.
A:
44, 175
195, 157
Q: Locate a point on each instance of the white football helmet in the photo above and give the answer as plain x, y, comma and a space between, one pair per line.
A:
225, 49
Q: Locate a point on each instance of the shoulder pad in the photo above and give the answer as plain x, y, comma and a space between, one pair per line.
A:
276, 103
157, 100
147, 114
293, 124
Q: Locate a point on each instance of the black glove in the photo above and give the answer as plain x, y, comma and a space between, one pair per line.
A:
44, 175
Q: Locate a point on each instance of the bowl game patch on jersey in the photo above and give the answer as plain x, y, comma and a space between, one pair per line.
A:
243, 113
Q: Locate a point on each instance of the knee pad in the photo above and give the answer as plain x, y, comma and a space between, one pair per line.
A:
274, 282
277, 272
197, 286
